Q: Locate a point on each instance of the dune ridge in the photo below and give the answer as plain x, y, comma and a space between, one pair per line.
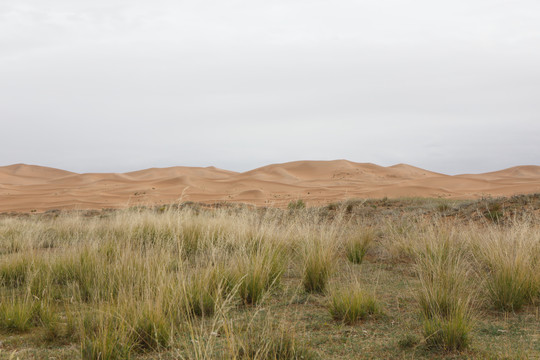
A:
36, 188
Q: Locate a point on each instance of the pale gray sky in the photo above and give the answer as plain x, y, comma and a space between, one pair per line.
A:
118, 85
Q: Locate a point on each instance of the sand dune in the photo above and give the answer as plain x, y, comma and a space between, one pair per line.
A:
29, 187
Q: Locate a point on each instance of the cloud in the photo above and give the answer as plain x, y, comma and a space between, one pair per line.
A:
118, 85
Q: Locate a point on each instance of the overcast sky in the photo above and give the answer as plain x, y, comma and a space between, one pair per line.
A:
118, 85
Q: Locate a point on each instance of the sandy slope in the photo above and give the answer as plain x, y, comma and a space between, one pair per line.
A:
29, 187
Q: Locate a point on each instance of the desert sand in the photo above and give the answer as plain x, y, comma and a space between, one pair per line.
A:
26, 188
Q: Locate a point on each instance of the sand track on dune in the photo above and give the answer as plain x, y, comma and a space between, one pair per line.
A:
30, 187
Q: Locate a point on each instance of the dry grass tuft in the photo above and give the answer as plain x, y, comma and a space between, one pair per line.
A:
351, 304
445, 295
357, 245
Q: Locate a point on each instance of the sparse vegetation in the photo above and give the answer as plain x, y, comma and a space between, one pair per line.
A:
408, 341
272, 342
232, 282
297, 205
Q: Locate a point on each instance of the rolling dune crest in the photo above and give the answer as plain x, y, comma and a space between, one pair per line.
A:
30, 187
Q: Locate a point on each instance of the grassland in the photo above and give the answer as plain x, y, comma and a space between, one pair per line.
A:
378, 279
